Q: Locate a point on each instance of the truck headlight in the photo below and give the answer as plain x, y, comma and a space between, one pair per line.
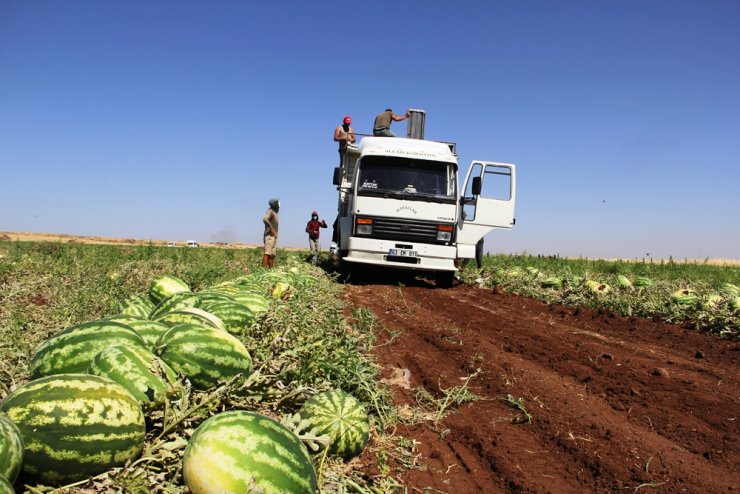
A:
364, 226
444, 233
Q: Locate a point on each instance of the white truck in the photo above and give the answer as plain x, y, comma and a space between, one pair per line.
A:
401, 204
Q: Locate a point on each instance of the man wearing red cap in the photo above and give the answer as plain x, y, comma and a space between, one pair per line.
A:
344, 134
312, 228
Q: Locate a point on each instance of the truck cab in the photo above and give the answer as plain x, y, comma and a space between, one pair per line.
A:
401, 205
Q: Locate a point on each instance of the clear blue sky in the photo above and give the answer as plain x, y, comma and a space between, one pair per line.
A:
179, 120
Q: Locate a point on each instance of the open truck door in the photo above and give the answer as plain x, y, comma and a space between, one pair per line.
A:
487, 202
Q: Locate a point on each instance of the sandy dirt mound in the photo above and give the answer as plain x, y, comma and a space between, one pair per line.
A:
617, 404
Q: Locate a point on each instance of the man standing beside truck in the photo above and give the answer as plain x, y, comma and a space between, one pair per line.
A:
382, 125
313, 229
344, 134
270, 219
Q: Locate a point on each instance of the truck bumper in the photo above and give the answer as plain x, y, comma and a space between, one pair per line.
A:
429, 257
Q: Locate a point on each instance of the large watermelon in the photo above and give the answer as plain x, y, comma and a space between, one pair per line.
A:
150, 331
191, 315
138, 370
182, 300
235, 316
251, 300
75, 426
137, 305
340, 416
204, 355
11, 449
239, 451
162, 287
71, 350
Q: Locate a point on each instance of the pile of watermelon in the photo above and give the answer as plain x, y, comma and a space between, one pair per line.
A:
94, 384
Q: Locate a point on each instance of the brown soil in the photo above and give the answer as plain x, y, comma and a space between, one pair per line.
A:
617, 404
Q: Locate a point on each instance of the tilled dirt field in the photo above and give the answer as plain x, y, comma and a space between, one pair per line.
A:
617, 404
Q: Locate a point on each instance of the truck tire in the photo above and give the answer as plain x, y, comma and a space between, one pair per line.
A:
444, 279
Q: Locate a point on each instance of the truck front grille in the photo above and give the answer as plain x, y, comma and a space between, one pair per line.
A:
406, 230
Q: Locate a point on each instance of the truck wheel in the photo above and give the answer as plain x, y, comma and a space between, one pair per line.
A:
444, 279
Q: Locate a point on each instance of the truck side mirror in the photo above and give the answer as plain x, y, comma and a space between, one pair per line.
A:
476, 186
337, 176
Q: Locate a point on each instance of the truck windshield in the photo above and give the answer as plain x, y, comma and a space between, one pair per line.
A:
407, 178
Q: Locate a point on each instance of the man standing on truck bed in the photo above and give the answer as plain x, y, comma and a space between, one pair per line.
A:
382, 125
270, 219
344, 134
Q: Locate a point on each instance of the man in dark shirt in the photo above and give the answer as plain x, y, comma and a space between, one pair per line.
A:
382, 125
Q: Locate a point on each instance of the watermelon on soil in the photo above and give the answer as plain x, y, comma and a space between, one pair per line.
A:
340, 416
239, 451
75, 426
11, 449
71, 350
205, 355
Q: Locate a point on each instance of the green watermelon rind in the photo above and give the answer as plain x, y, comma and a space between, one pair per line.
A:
75, 426
148, 330
162, 287
191, 315
72, 349
142, 373
342, 417
6, 487
234, 451
204, 355
11, 449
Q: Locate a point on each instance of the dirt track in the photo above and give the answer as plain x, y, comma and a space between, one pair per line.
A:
617, 404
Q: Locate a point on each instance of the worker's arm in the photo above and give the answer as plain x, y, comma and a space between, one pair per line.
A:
351, 135
397, 118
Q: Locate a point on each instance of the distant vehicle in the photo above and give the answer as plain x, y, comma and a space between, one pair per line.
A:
171, 244
192, 243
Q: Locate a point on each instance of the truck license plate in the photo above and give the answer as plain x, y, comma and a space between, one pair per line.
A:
401, 253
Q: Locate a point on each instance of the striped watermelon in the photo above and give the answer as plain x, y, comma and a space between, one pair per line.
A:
6, 487
137, 305
204, 355
235, 316
191, 315
552, 282
142, 373
162, 287
150, 331
729, 290
642, 282
71, 350
11, 449
623, 282
75, 426
239, 451
253, 301
342, 417
184, 300
685, 296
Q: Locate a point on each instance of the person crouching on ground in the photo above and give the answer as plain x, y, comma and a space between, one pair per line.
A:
313, 229
270, 219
